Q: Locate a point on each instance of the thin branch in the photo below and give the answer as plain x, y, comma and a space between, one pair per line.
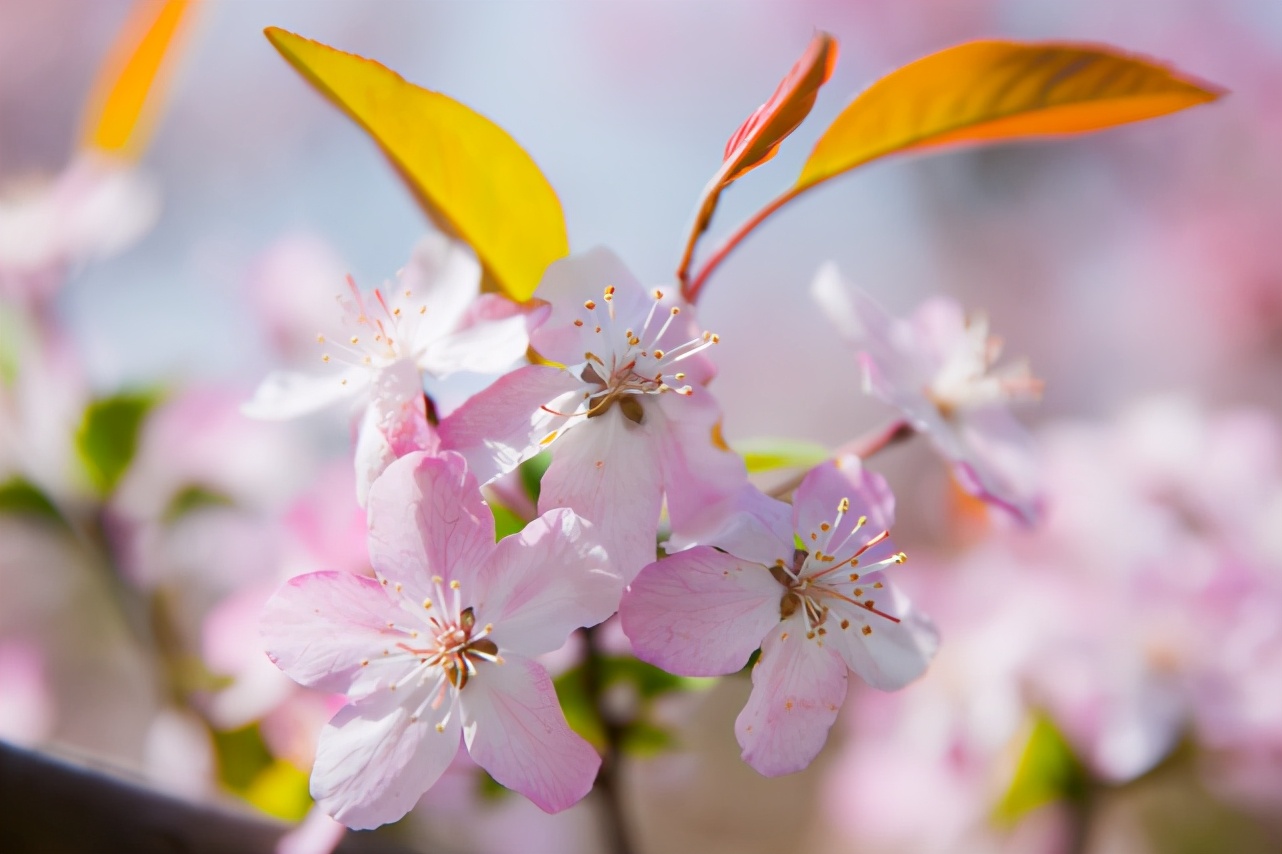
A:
692, 290
607, 781
864, 447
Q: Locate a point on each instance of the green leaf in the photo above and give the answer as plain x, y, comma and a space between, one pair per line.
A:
470, 177
768, 454
192, 498
646, 679
108, 437
506, 522
242, 755
20, 497
531, 473
580, 713
1048, 771
646, 739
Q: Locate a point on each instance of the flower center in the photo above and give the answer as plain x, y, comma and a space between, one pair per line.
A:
375, 332
967, 379
443, 644
814, 581
634, 364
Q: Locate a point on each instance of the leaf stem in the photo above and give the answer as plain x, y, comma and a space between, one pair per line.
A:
692, 289
607, 781
864, 447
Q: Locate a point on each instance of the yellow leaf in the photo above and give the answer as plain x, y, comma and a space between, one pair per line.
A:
473, 180
987, 91
121, 108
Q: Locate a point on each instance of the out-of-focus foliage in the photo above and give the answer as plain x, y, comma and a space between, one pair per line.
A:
122, 109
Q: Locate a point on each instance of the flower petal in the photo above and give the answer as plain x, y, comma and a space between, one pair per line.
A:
488, 347
700, 612
376, 758
703, 479
816, 503
798, 686
604, 469
318, 628
997, 462
427, 518
566, 285
446, 276
515, 729
885, 654
544, 582
501, 427
285, 394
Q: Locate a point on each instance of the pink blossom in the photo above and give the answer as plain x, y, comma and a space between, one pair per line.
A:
815, 611
626, 415
442, 643
937, 369
95, 208
432, 322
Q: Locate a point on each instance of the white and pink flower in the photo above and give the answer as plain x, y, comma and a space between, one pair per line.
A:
937, 369
626, 414
433, 322
816, 610
442, 643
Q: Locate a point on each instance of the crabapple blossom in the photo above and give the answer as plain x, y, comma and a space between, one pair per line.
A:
937, 369
440, 643
815, 610
433, 322
626, 413
94, 208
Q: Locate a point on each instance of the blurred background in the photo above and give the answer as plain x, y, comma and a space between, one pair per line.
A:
1110, 681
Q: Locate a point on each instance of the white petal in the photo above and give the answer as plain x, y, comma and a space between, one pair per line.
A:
284, 394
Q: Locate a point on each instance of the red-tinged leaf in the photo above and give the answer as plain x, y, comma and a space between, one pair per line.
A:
988, 91
757, 140
122, 106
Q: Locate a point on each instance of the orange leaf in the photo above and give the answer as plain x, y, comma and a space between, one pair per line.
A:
121, 107
757, 140
987, 91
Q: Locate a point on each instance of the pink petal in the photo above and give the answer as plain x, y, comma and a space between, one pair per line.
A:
376, 758
703, 479
284, 394
890, 654
798, 685
427, 518
318, 628
819, 496
545, 582
828, 483
515, 729
566, 285
700, 612
997, 462
504, 425
604, 469
394, 424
